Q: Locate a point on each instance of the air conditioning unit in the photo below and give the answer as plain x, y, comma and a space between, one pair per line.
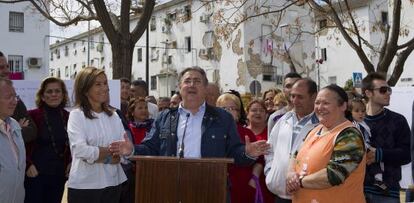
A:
34, 62
203, 52
205, 18
165, 29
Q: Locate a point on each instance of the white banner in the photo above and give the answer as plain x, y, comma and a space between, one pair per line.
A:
402, 102
26, 89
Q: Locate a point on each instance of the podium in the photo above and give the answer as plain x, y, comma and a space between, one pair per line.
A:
174, 180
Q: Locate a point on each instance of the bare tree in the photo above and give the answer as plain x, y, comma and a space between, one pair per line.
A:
341, 14
391, 53
116, 27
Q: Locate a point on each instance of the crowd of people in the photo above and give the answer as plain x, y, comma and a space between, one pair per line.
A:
297, 144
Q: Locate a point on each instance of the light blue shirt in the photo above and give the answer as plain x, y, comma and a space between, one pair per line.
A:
192, 126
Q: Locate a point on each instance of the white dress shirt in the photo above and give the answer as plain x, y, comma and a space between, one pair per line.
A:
85, 136
192, 128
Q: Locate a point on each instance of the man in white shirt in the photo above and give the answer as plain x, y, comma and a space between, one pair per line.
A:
288, 82
288, 134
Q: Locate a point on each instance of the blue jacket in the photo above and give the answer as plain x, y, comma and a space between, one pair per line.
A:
219, 136
390, 135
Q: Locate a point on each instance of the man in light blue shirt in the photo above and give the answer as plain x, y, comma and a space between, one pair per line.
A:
197, 129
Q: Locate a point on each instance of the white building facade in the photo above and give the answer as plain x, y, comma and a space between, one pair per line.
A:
183, 34
340, 60
24, 40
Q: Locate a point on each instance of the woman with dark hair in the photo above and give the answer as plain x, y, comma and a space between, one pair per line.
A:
257, 115
48, 156
96, 174
330, 165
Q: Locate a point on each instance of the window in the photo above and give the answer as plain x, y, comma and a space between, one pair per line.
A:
172, 16
188, 44
323, 54
92, 43
279, 79
187, 12
66, 50
267, 77
384, 18
66, 71
170, 59
153, 23
57, 52
51, 56
268, 72
139, 54
153, 82
74, 45
323, 23
16, 22
332, 80
16, 63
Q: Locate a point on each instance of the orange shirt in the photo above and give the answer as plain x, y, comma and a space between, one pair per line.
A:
314, 156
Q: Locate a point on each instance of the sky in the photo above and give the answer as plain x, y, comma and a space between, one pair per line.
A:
59, 33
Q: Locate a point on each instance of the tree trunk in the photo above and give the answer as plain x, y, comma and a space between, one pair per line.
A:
122, 54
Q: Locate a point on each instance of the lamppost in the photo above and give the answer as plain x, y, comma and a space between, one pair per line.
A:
283, 43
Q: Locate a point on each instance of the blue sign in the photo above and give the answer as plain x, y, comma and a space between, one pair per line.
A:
357, 79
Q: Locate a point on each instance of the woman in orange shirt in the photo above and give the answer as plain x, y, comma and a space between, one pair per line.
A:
330, 165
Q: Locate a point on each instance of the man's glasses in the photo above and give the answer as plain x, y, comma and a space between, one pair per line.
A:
383, 89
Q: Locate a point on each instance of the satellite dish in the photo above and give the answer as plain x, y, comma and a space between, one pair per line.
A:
255, 87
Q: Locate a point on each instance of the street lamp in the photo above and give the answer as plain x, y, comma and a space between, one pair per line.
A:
283, 42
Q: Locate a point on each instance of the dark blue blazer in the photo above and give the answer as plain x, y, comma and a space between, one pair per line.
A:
219, 136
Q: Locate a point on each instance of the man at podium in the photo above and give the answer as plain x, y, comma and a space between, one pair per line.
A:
196, 129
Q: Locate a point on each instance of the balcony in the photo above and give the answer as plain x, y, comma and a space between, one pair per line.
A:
16, 76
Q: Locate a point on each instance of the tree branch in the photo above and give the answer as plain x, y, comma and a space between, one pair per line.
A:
106, 22
369, 67
391, 50
143, 21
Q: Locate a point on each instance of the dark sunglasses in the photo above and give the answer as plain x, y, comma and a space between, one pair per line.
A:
383, 89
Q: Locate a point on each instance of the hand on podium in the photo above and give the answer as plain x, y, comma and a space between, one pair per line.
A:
122, 147
255, 149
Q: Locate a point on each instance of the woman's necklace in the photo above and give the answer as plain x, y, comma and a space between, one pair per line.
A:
52, 137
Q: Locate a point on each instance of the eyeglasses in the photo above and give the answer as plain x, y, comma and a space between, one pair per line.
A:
10, 97
383, 89
230, 108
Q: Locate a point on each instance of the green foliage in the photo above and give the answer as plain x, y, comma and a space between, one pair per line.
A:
349, 85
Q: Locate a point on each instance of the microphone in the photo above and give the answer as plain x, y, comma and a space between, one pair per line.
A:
181, 148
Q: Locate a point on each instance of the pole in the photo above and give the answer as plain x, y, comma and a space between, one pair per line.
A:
147, 58
318, 61
89, 43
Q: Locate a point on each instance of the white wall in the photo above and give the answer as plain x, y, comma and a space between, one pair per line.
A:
33, 42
